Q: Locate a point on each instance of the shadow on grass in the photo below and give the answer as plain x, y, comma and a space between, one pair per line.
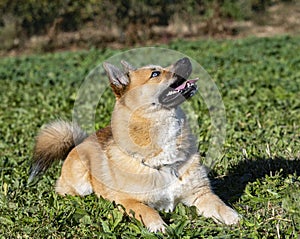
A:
231, 187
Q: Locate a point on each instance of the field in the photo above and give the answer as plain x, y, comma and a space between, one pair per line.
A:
258, 173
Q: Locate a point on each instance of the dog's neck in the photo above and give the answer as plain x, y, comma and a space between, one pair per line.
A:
156, 139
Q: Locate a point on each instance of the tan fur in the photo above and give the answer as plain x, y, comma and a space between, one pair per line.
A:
139, 130
146, 160
54, 142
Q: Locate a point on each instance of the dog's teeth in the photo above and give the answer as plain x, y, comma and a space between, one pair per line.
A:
172, 92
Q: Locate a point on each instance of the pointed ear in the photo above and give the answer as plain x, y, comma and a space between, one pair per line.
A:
118, 80
127, 66
116, 76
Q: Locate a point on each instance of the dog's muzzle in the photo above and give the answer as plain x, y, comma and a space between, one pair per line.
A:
180, 89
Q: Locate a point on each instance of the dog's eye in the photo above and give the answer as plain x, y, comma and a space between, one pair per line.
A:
155, 74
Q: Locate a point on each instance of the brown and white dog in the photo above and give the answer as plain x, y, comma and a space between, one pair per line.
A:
146, 159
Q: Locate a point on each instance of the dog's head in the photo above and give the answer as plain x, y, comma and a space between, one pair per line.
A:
152, 85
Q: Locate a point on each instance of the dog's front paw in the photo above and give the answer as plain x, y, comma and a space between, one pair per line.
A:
210, 205
156, 226
228, 215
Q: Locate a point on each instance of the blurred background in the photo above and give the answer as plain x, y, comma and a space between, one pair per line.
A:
35, 26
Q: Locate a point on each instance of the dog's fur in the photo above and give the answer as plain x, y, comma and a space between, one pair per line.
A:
145, 159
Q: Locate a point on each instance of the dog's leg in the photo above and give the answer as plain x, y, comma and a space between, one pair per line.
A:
147, 215
75, 177
210, 205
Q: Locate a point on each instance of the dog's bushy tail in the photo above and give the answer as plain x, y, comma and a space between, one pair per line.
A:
54, 142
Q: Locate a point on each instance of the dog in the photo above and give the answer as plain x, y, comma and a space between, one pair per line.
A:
146, 160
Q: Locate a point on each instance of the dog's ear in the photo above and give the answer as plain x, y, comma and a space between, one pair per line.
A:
127, 66
116, 76
118, 80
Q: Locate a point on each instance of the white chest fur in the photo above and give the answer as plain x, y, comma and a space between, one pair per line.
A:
167, 128
174, 188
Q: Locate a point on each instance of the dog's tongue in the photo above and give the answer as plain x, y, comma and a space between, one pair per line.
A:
187, 83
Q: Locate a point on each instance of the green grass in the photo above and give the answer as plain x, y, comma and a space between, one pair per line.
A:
259, 80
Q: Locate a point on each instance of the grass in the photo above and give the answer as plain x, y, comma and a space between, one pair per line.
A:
258, 174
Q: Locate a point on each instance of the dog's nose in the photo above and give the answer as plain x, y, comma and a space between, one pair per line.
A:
183, 68
184, 60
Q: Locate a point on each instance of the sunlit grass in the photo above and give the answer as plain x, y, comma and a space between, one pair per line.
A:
258, 174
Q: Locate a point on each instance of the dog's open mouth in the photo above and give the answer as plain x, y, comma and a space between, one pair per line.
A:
178, 92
